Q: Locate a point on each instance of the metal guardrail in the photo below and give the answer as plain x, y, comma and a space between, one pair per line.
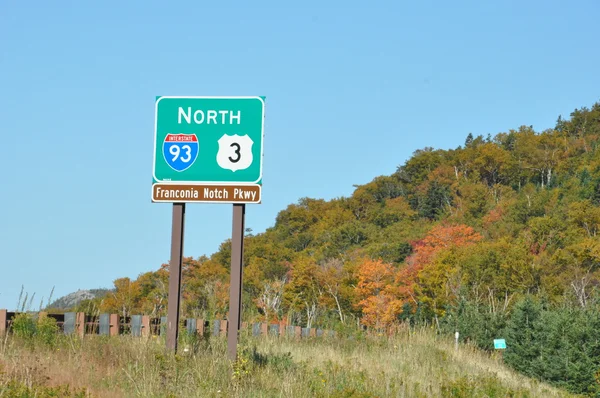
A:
143, 326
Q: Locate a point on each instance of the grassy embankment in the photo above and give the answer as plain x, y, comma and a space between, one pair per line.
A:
413, 364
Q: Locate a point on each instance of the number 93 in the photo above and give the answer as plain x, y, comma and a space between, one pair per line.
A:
176, 152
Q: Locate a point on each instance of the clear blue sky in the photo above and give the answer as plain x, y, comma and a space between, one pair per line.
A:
352, 89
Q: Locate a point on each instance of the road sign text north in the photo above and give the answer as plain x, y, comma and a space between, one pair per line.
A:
211, 116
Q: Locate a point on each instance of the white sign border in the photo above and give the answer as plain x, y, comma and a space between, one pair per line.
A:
262, 141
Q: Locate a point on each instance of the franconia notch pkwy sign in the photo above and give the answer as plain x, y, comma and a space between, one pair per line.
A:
208, 149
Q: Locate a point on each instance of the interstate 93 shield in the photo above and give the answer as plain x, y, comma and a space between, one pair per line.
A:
180, 150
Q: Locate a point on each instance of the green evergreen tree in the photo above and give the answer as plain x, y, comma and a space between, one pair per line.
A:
522, 344
469, 140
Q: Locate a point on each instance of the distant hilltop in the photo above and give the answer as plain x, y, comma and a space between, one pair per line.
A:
73, 299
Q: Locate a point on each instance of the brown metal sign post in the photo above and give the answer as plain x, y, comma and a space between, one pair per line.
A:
175, 275
235, 289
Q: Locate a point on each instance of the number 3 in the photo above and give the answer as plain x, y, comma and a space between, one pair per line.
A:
237, 152
188, 153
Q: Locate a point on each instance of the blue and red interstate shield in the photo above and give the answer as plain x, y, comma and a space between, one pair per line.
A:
180, 150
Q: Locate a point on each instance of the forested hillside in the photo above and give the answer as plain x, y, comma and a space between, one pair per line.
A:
496, 238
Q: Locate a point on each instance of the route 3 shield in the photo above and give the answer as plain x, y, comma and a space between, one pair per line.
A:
180, 150
235, 152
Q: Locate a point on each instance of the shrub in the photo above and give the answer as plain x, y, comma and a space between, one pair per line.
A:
47, 330
23, 326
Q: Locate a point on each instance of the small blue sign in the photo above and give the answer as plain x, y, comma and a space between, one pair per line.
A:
180, 150
499, 344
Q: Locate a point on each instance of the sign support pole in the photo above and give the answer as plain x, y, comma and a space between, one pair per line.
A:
175, 266
235, 289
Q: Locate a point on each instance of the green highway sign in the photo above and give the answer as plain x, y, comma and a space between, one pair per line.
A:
499, 344
208, 141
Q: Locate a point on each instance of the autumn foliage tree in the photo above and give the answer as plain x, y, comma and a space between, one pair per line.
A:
423, 276
124, 299
377, 292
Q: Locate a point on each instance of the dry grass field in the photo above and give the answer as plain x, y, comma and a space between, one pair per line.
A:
411, 364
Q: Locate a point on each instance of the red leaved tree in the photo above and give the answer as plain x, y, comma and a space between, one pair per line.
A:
441, 237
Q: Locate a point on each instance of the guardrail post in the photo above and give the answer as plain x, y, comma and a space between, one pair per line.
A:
80, 324
145, 326
281, 329
3, 322
114, 325
200, 327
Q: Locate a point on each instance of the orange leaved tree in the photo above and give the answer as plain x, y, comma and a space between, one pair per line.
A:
440, 239
378, 297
